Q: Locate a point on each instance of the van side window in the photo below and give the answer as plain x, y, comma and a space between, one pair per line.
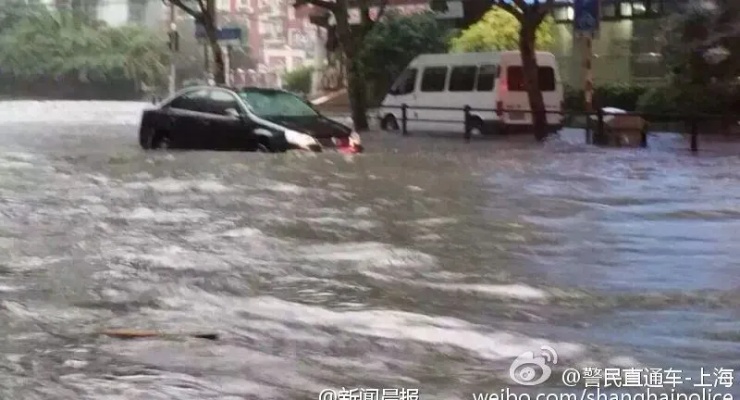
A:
434, 79
405, 83
487, 77
462, 79
515, 79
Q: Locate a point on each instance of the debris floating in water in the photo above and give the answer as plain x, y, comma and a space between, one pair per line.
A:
142, 334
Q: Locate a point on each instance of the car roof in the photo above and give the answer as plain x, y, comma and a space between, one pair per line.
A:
235, 89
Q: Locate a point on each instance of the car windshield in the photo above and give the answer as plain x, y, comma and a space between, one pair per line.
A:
272, 103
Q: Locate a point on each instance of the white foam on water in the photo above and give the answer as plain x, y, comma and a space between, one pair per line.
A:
372, 253
177, 258
6, 164
72, 112
26, 157
431, 237
8, 289
433, 221
345, 222
161, 216
58, 315
243, 233
513, 291
285, 188
32, 263
400, 325
170, 185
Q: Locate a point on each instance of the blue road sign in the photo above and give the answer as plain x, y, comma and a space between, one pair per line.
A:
223, 34
586, 16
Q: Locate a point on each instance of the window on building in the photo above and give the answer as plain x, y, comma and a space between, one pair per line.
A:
515, 79
608, 11
136, 11
625, 9
487, 75
563, 14
462, 79
638, 8
434, 79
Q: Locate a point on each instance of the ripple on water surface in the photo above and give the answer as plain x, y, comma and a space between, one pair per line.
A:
424, 263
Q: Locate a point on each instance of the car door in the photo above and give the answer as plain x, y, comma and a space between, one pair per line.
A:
187, 119
228, 118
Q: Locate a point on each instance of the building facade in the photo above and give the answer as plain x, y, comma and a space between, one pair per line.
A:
279, 36
145, 13
627, 48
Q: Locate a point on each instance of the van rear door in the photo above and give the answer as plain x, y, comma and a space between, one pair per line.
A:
516, 101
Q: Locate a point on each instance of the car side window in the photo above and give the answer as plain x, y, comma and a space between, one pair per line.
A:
220, 101
191, 101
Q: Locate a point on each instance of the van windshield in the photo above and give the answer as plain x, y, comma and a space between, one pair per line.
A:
405, 82
515, 79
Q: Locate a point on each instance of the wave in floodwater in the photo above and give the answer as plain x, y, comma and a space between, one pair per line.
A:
424, 263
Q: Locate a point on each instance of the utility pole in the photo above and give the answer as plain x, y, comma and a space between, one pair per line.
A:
588, 84
174, 46
227, 64
586, 25
213, 14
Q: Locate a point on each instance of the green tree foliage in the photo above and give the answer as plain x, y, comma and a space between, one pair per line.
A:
701, 44
45, 44
298, 80
702, 41
499, 30
397, 39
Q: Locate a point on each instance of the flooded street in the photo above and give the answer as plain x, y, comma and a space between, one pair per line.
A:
426, 263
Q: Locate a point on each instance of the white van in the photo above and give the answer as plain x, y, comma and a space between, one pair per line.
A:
491, 81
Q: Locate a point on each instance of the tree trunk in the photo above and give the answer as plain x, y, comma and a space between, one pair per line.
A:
531, 79
211, 28
357, 89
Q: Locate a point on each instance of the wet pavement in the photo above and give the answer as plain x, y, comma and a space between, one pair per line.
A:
426, 263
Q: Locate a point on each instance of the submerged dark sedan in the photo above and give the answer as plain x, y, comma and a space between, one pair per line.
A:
249, 119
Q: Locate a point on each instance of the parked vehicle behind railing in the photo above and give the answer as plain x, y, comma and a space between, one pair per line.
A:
434, 85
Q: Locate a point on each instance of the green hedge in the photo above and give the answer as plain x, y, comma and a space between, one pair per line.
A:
298, 80
624, 96
667, 99
686, 100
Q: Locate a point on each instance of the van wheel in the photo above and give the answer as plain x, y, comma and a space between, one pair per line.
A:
476, 127
389, 123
